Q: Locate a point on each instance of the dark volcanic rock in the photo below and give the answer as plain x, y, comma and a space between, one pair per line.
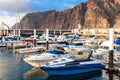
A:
34, 20
92, 14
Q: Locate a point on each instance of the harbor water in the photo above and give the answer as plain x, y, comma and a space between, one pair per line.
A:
12, 67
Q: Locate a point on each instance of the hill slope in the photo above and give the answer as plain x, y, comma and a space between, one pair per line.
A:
92, 14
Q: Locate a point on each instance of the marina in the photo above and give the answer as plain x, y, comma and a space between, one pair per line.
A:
32, 63
13, 68
60, 40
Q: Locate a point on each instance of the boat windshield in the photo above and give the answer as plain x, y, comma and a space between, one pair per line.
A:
69, 56
72, 36
54, 51
66, 43
77, 44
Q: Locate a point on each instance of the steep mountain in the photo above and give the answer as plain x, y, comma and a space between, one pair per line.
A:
92, 14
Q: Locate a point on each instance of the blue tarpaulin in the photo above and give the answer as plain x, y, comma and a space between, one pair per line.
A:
117, 41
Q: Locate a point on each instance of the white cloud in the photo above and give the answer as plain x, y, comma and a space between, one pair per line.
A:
10, 20
10, 6
8, 10
8, 1
12, 1
68, 5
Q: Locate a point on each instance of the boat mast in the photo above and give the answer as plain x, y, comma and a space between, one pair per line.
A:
16, 26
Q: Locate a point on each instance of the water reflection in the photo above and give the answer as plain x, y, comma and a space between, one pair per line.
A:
86, 76
41, 75
11, 67
110, 76
35, 73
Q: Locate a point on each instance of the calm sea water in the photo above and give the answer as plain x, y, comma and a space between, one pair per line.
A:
13, 68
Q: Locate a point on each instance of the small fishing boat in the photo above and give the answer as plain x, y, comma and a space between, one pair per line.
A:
76, 45
3, 44
59, 44
7, 40
71, 66
40, 59
30, 50
17, 45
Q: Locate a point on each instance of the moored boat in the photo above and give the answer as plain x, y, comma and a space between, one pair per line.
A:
30, 50
40, 59
17, 45
59, 44
68, 66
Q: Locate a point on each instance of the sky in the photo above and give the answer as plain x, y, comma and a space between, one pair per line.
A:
11, 11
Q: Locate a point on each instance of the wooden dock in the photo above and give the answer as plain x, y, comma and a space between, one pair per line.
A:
31, 31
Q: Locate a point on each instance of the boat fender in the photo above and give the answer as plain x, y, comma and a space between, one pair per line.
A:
42, 49
80, 53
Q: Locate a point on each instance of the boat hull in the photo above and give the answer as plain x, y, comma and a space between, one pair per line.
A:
29, 50
71, 70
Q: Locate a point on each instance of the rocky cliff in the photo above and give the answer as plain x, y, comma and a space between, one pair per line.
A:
92, 14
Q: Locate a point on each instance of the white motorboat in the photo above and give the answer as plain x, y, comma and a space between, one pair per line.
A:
17, 45
58, 44
102, 54
30, 50
40, 59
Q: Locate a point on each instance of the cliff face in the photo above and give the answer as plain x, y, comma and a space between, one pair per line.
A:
102, 13
92, 14
34, 20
